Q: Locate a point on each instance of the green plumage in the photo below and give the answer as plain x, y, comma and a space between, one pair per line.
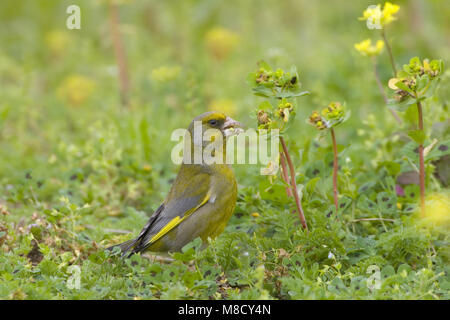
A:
199, 204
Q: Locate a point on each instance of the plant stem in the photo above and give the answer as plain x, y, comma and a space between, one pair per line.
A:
389, 50
335, 170
119, 52
284, 174
294, 185
421, 163
381, 88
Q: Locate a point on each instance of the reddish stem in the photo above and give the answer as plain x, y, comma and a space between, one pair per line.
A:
284, 174
335, 170
294, 185
421, 163
119, 52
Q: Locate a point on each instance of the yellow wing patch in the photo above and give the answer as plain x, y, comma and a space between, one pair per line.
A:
176, 221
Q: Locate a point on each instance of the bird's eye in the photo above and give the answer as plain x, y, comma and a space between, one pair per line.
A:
213, 122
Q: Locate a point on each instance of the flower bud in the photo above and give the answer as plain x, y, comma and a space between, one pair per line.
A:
263, 117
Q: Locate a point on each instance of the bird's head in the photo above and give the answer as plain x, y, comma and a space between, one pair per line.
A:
209, 131
218, 121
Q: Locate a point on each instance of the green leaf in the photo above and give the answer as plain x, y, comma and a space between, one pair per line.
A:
422, 82
265, 105
194, 244
311, 185
402, 74
263, 91
387, 271
387, 203
392, 167
289, 94
412, 192
401, 105
276, 191
404, 267
316, 169
366, 205
417, 135
293, 71
404, 87
366, 187
315, 202
431, 89
344, 203
439, 150
410, 150
263, 64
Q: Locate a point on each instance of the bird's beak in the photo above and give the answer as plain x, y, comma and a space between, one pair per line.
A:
232, 127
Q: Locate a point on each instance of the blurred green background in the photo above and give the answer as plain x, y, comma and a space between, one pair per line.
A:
60, 97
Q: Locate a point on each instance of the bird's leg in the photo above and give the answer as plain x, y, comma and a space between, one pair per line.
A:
158, 258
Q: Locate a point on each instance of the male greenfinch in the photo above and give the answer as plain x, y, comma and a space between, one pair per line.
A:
202, 197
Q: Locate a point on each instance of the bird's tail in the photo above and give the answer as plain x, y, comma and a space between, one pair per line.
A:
125, 247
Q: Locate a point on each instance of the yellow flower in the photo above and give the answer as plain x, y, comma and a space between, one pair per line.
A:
315, 116
389, 10
220, 42
438, 208
255, 214
392, 82
271, 169
57, 41
334, 110
316, 120
372, 13
366, 48
283, 114
377, 18
76, 89
165, 74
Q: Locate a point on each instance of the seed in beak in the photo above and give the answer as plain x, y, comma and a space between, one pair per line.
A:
232, 127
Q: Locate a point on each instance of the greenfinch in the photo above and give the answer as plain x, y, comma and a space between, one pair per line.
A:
201, 200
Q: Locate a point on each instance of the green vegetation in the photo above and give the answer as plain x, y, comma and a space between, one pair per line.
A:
85, 147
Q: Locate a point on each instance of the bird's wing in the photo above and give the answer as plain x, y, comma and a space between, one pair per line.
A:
132, 244
189, 193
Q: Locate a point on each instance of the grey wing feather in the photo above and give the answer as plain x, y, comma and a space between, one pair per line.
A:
149, 224
175, 208
129, 247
